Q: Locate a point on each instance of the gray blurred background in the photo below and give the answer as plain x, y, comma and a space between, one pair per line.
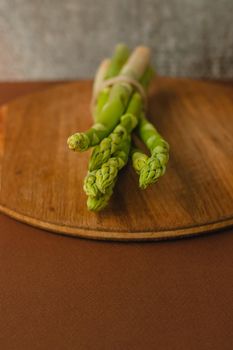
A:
56, 39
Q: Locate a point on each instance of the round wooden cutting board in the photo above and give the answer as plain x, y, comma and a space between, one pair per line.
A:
41, 181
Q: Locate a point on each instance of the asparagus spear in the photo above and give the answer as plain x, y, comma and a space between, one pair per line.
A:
108, 69
118, 100
106, 177
153, 167
102, 152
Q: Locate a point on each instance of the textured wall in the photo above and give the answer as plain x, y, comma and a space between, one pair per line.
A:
67, 38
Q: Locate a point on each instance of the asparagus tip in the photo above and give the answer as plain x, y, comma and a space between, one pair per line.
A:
78, 142
96, 204
150, 172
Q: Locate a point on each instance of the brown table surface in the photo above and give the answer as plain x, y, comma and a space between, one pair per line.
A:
65, 293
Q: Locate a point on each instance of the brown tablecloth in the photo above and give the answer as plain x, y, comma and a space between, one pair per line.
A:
65, 293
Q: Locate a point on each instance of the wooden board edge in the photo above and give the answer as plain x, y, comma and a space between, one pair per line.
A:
119, 236
3, 114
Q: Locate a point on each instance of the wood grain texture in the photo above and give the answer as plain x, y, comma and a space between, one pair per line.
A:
41, 180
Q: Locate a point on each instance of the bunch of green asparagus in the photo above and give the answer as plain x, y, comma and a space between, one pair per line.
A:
118, 109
